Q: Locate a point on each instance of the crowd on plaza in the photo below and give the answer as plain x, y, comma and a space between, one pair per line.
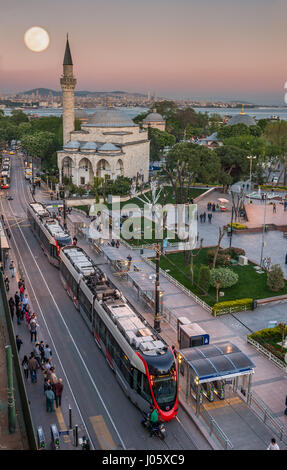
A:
40, 357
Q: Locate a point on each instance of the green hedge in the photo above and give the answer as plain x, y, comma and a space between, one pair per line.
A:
238, 305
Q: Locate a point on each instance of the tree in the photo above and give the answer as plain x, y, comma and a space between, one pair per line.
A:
209, 167
233, 131
40, 144
183, 163
18, 116
222, 278
220, 236
282, 328
276, 134
204, 278
159, 140
275, 278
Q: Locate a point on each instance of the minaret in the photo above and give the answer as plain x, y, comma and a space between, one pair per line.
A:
68, 83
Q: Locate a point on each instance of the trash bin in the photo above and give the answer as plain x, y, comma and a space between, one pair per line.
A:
254, 304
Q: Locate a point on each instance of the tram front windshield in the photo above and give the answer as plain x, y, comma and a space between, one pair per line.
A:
165, 388
64, 241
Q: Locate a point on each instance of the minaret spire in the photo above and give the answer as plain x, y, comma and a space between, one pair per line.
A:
68, 83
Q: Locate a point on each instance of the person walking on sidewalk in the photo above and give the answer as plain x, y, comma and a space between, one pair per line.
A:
41, 349
33, 329
25, 302
51, 374
12, 307
12, 268
47, 352
273, 445
25, 365
19, 342
18, 314
17, 299
209, 215
7, 283
37, 354
33, 366
22, 291
50, 397
58, 390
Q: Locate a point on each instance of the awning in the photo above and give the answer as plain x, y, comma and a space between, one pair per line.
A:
217, 361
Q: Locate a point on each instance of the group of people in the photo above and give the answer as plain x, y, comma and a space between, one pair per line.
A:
41, 356
203, 217
211, 206
115, 243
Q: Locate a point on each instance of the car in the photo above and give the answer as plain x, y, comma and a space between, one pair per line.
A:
10, 198
275, 179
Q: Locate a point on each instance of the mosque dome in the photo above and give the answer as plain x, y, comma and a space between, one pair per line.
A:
72, 145
153, 117
89, 146
241, 118
110, 118
109, 148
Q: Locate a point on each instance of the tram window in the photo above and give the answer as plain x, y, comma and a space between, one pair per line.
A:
145, 389
102, 331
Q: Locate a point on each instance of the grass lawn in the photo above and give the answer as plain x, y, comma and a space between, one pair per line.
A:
250, 284
149, 226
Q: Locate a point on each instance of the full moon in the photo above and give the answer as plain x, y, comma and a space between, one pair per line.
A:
36, 39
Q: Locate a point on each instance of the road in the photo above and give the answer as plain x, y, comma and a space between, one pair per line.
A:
99, 406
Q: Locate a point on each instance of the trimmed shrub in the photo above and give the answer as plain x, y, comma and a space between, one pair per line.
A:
237, 226
236, 306
225, 276
275, 278
234, 252
204, 277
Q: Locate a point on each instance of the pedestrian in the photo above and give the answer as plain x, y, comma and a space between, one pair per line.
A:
204, 216
19, 284
17, 299
191, 200
37, 354
33, 329
47, 383
274, 208
12, 268
273, 445
18, 314
6, 284
52, 375
41, 349
213, 207
25, 302
50, 397
129, 258
47, 352
22, 291
209, 215
25, 364
286, 258
58, 390
12, 306
174, 351
33, 366
285, 412
22, 310
19, 342
113, 243
75, 240
200, 216
117, 244
47, 365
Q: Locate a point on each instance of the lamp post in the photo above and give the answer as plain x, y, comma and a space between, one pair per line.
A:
157, 292
250, 158
263, 231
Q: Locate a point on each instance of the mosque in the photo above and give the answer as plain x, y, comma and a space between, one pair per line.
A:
109, 142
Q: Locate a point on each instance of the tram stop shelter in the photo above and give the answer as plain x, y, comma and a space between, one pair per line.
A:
211, 363
4, 245
112, 254
145, 284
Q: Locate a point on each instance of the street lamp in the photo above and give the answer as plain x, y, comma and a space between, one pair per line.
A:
263, 232
157, 291
250, 158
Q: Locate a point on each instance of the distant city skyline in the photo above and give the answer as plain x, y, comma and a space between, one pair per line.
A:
216, 50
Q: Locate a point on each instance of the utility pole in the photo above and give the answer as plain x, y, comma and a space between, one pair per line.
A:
263, 231
64, 208
231, 231
11, 401
156, 313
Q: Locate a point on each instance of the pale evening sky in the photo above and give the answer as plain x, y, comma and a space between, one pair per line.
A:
218, 49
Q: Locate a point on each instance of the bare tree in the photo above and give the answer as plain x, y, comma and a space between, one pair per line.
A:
221, 234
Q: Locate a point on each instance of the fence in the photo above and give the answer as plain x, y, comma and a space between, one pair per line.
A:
216, 430
266, 415
267, 353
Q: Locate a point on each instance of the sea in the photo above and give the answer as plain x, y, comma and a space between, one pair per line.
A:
257, 113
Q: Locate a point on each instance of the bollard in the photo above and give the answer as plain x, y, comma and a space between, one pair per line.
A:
76, 436
11, 402
70, 417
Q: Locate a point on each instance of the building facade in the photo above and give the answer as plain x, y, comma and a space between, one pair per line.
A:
109, 142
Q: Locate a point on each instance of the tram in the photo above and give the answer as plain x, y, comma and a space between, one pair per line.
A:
50, 233
143, 363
